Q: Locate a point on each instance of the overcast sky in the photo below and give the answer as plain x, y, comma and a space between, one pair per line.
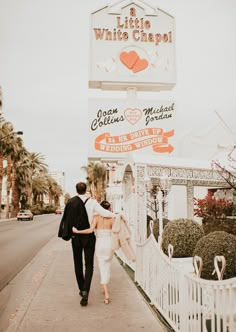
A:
44, 59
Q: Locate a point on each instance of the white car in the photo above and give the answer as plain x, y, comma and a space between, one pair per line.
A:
25, 215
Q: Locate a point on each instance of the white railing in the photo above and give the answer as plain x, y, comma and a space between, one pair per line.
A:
188, 303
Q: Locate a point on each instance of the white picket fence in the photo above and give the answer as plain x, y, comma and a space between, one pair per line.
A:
187, 302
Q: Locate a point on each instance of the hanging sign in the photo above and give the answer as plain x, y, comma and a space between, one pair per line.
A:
118, 128
132, 44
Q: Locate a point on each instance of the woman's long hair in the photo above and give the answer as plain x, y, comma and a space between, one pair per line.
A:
105, 204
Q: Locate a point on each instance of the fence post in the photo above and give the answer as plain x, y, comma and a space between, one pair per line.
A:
183, 301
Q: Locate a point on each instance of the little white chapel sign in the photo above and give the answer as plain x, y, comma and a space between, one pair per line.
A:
132, 44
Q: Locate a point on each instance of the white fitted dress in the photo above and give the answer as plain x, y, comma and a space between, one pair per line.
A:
104, 253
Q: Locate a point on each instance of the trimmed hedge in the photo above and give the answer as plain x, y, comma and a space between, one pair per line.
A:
220, 224
183, 234
37, 210
217, 243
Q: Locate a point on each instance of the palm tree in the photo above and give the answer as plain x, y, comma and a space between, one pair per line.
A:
5, 132
66, 198
37, 166
8, 175
96, 172
39, 188
90, 178
24, 177
10, 150
18, 178
26, 172
57, 192
54, 191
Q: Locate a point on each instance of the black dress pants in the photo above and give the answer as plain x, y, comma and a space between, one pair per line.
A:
83, 246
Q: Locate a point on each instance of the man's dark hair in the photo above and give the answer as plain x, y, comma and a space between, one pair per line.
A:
81, 188
105, 204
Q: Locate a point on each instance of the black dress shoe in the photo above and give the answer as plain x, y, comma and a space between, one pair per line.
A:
84, 300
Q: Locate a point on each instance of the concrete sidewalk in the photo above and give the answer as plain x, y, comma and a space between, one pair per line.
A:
47, 298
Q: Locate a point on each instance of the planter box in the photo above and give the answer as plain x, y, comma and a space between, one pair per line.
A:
184, 263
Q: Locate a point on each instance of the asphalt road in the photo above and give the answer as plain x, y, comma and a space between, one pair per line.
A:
20, 241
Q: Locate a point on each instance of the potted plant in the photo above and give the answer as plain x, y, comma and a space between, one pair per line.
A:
183, 235
218, 243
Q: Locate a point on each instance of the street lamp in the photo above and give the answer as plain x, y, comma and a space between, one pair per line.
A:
17, 133
164, 186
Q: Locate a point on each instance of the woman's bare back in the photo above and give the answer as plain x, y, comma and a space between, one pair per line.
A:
103, 223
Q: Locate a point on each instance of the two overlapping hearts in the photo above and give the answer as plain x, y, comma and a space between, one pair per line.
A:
132, 61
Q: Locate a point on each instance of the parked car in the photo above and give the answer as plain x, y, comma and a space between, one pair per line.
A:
59, 210
25, 215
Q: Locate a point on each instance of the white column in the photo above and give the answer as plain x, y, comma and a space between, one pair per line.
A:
160, 206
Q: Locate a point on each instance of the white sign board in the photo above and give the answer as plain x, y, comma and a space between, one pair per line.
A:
117, 127
132, 44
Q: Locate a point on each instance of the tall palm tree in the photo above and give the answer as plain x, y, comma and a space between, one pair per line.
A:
66, 198
37, 166
8, 175
24, 176
54, 191
18, 157
96, 172
39, 188
26, 172
10, 150
6, 129
90, 178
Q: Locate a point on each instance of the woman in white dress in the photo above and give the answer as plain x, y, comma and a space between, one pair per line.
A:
104, 247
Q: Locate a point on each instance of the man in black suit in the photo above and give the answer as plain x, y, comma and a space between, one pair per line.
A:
79, 212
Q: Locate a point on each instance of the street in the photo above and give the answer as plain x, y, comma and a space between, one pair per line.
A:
44, 296
20, 241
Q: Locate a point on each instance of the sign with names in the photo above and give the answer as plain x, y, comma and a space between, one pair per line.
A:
117, 127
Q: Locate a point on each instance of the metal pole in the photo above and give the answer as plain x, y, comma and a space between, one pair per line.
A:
160, 198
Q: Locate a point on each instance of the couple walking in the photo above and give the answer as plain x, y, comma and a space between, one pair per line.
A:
82, 216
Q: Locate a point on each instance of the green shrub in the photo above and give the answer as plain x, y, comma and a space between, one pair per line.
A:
183, 234
37, 209
217, 244
220, 224
48, 209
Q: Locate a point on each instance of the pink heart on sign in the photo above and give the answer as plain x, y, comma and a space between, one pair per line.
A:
133, 115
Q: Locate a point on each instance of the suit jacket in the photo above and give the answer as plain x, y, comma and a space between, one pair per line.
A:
75, 214
121, 237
